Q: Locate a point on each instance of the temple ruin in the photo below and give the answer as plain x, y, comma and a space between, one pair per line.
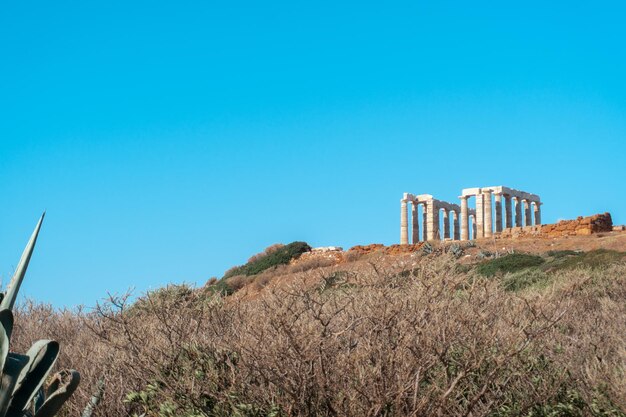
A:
448, 221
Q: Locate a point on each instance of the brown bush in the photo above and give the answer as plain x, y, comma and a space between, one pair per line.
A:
237, 282
313, 262
352, 256
267, 251
390, 339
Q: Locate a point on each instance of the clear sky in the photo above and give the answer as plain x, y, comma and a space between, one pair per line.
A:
169, 141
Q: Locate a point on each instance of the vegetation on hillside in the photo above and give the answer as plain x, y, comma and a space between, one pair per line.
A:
272, 257
396, 336
280, 255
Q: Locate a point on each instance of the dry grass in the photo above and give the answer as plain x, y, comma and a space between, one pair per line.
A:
408, 337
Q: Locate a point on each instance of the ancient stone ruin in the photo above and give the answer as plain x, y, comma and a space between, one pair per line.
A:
443, 220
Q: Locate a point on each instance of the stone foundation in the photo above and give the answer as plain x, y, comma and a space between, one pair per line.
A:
582, 226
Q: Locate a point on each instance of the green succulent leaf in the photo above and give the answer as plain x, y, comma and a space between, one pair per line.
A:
13, 366
14, 286
63, 385
6, 326
41, 357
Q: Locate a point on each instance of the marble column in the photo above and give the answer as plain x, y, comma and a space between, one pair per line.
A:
518, 212
488, 213
498, 199
464, 218
480, 230
473, 226
432, 220
446, 224
424, 222
404, 223
455, 220
528, 221
537, 213
508, 218
415, 232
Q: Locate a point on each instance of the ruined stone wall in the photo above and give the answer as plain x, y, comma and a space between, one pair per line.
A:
580, 226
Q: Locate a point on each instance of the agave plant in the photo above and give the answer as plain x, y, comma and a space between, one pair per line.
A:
22, 391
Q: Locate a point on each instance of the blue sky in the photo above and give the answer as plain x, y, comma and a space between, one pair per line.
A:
169, 141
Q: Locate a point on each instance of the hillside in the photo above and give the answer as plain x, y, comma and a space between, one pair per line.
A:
512, 327
580, 250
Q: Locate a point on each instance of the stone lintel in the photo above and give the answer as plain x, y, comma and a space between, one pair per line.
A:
500, 189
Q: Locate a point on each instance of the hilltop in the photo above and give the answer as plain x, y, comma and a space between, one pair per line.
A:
579, 240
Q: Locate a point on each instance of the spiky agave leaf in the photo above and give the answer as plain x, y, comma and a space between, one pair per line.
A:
41, 357
6, 325
63, 385
10, 374
14, 286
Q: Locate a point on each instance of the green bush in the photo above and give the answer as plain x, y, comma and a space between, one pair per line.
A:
525, 278
280, 256
509, 263
562, 253
593, 259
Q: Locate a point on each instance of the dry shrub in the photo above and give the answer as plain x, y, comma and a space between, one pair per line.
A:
312, 263
352, 256
267, 251
237, 282
390, 340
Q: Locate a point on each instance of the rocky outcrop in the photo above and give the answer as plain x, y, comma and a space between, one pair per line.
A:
580, 226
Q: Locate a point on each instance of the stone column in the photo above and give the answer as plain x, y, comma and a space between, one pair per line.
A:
498, 199
404, 223
455, 220
464, 218
528, 221
415, 232
508, 218
432, 219
488, 213
446, 224
424, 222
537, 213
480, 230
473, 226
518, 212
